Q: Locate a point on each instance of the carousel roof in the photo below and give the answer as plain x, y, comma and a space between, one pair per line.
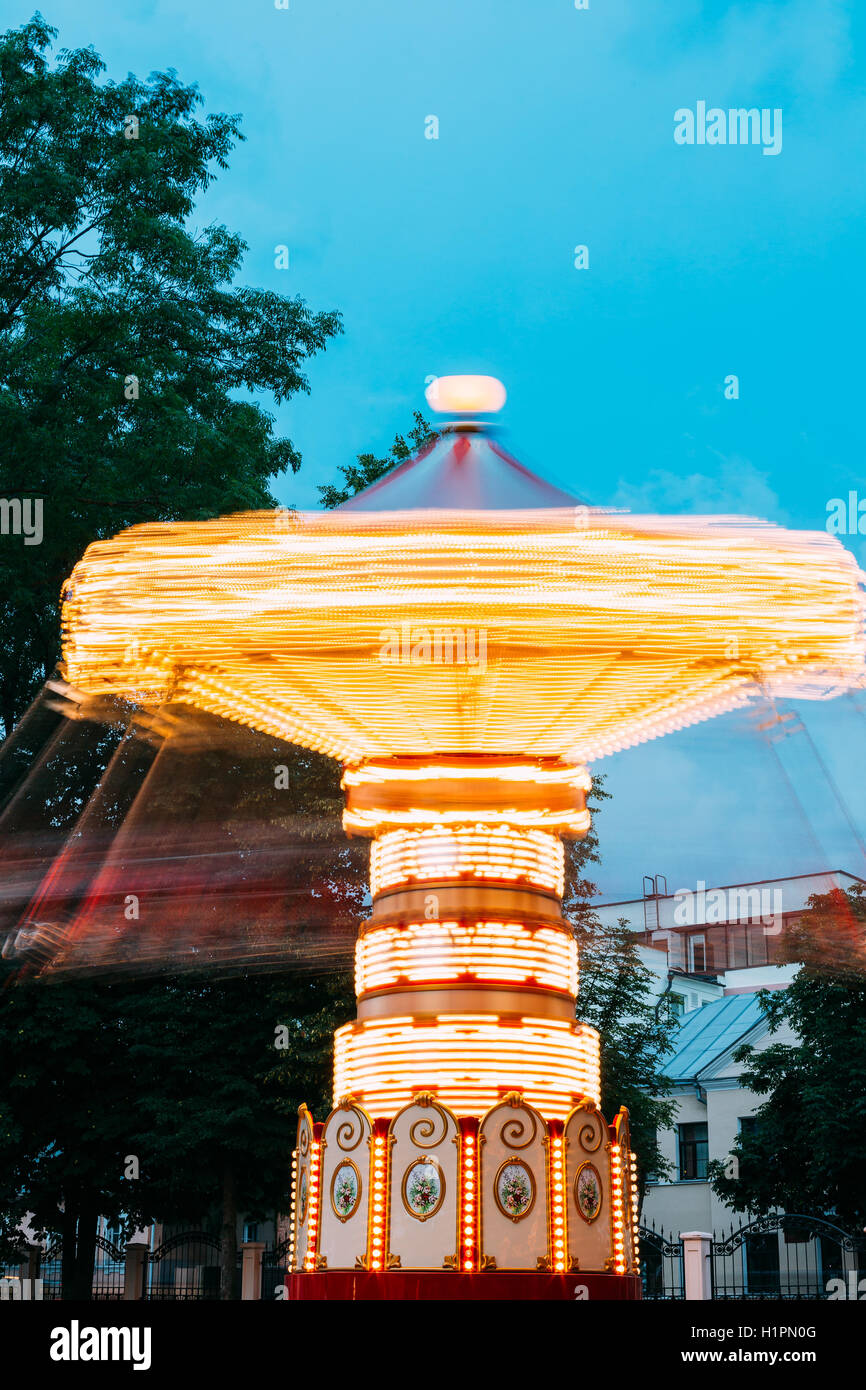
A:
461, 470
461, 605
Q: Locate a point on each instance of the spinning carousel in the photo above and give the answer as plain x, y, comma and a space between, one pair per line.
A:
465, 639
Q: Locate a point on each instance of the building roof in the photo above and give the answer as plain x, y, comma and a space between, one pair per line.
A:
460, 470
798, 888
709, 1032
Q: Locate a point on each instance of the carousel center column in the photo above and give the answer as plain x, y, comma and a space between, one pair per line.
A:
466, 971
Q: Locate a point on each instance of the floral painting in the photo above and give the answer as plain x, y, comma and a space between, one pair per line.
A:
423, 1188
345, 1191
302, 1198
515, 1192
587, 1192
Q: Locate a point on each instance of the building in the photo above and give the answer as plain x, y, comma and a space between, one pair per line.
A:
711, 950
713, 1107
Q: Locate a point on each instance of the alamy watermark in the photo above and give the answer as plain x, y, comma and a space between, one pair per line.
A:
696, 907
846, 516
433, 646
22, 517
855, 1289
77, 1343
16, 1290
737, 126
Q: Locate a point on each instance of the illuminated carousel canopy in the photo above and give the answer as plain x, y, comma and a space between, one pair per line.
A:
404, 623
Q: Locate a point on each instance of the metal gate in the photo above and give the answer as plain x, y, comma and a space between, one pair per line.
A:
275, 1265
661, 1264
13, 1272
51, 1270
186, 1266
786, 1255
109, 1269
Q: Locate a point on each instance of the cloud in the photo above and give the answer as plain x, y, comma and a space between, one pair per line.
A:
735, 486
806, 42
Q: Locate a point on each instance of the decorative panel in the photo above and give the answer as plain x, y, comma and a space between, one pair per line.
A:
514, 1198
587, 1188
624, 1175
424, 1186
345, 1201
301, 1189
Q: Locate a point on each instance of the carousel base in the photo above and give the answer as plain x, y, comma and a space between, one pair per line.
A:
407, 1285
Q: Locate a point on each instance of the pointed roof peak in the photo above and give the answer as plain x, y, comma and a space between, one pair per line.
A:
463, 468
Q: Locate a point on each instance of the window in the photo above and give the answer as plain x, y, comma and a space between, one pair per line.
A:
251, 1231
678, 1005
697, 954
747, 1125
694, 1151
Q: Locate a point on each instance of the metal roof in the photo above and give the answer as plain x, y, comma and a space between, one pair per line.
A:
708, 1032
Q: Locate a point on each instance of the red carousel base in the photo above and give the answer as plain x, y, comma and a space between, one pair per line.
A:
443, 1285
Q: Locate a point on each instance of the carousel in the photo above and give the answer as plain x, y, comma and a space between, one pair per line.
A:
466, 639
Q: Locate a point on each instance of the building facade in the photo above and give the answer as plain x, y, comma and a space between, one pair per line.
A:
710, 950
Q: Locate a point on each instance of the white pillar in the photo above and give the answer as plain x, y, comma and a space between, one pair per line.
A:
251, 1269
697, 1253
134, 1271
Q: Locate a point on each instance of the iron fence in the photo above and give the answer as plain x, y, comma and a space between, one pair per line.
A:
13, 1272
661, 1264
186, 1266
51, 1271
275, 1266
109, 1270
785, 1255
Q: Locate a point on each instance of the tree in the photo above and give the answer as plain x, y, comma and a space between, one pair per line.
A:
369, 468
805, 1151
221, 1067
192, 1078
197, 1077
63, 1095
616, 996
127, 355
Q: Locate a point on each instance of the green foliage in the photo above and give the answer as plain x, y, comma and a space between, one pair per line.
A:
617, 997
369, 469
103, 279
182, 1072
185, 1074
805, 1150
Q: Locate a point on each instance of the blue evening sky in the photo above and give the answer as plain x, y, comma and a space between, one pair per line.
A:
457, 254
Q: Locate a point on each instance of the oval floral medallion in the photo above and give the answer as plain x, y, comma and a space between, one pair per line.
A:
587, 1191
302, 1198
345, 1190
514, 1189
423, 1188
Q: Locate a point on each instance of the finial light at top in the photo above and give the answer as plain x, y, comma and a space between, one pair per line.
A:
465, 395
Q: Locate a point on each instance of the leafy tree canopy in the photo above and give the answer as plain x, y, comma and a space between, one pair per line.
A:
369, 468
128, 355
616, 995
804, 1152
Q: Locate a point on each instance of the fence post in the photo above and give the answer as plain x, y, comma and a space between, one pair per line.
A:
251, 1269
696, 1264
133, 1271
